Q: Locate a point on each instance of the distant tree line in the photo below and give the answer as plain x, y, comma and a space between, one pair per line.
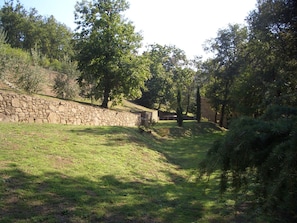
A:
27, 29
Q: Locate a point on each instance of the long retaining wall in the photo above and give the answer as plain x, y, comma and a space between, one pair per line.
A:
24, 108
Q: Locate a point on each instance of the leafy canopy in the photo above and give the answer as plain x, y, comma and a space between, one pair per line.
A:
107, 51
26, 29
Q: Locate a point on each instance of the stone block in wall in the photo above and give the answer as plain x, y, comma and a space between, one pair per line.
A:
52, 107
4, 118
61, 108
15, 118
15, 103
53, 118
31, 120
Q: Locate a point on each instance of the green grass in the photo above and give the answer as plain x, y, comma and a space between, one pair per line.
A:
62, 173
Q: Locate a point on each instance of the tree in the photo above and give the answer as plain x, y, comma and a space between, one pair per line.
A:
13, 22
169, 72
158, 87
184, 79
26, 29
259, 156
107, 51
55, 39
228, 48
271, 61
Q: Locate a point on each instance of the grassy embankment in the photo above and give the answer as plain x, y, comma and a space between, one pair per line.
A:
61, 173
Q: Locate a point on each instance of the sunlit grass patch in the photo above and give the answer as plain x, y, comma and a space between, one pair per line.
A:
61, 173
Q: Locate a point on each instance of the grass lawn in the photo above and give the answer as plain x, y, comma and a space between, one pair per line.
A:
62, 173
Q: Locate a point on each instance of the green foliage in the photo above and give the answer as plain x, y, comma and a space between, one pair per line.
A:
225, 67
13, 60
271, 61
65, 87
257, 158
3, 60
259, 155
65, 83
21, 66
55, 65
107, 47
30, 79
252, 70
25, 29
170, 70
28, 72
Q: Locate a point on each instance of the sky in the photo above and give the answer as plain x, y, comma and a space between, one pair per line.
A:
187, 24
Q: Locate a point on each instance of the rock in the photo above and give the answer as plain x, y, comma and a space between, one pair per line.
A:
53, 118
15, 103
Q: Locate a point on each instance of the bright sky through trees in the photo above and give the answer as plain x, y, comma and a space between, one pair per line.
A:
186, 24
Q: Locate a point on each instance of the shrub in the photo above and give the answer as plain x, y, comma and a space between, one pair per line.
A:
56, 65
65, 85
30, 80
259, 156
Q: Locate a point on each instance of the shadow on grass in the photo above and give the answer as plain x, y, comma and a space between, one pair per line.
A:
54, 197
186, 147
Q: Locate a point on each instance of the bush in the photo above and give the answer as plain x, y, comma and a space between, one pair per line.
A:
28, 74
30, 79
259, 156
65, 82
56, 65
17, 63
3, 47
65, 87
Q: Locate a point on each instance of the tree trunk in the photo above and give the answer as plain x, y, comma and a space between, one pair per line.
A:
222, 115
225, 101
198, 104
188, 103
105, 98
179, 110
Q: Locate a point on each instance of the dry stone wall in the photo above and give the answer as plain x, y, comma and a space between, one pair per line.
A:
24, 108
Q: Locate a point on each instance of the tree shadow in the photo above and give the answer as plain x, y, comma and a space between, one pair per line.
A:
181, 199
185, 152
119, 135
54, 197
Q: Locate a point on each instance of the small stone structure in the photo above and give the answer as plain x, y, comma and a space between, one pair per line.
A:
149, 117
25, 108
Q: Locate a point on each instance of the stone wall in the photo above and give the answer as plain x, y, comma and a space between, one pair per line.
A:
24, 108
